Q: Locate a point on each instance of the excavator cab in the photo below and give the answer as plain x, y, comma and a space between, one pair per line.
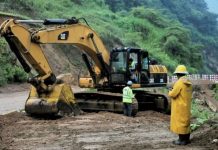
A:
134, 64
129, 64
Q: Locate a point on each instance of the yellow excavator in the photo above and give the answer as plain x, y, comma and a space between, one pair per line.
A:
109, 70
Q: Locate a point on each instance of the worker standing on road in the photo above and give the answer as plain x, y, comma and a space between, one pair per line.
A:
181, 96
128, 99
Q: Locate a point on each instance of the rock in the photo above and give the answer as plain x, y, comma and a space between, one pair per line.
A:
215, 141
211, 102
66, 78
200, 101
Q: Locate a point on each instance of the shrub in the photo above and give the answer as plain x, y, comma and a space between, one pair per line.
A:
201, 115
9, 70
151, 15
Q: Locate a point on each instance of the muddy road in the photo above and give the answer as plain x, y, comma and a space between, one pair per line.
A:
12, 102
13, 97
103, 130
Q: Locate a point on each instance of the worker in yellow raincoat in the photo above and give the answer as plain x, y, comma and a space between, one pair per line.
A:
181, 96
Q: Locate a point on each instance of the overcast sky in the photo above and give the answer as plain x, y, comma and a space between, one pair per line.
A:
212, 5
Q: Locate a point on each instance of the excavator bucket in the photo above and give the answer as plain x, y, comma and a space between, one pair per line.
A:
59, 101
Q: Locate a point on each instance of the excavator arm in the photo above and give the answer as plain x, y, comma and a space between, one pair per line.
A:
26, 44
19, 40
79, 35
46, 95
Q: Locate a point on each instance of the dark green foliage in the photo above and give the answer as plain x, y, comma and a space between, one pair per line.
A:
118, 5
179, 32
22, 6
9, 70
193, 13
177, 42
151, 15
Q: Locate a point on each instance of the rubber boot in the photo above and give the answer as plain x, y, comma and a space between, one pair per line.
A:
183, 139
187, 138
178, 142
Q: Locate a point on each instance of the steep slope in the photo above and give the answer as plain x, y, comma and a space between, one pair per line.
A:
194, 15
165, 28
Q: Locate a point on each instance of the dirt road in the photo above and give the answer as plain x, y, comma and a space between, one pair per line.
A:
12, 102
103, 130
13, 97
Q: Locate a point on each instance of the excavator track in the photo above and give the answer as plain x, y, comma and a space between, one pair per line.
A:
102, 101
107, 101
152, 101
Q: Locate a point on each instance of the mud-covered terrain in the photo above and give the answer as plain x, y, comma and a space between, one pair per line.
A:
103, 130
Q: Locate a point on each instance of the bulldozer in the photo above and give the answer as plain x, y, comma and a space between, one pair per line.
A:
109, 71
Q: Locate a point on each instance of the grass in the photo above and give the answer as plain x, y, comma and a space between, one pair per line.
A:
7, 14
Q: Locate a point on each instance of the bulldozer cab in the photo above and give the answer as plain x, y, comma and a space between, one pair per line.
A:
129, 64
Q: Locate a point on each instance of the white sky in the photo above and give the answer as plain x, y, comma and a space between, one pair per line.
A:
212, 5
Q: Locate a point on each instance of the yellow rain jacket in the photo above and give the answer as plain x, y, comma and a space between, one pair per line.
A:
181, 95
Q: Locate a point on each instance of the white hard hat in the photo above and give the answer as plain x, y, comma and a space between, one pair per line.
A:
129, 83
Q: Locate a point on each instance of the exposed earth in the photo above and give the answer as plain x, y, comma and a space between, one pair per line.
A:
102, 130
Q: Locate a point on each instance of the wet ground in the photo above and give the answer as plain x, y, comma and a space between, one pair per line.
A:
103, 130
13, 97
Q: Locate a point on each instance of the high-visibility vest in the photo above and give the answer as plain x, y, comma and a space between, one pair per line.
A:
127, 95
132, 65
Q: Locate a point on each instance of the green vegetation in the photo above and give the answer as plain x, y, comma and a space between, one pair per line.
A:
174, 32
9, 72
14, 15
201, 115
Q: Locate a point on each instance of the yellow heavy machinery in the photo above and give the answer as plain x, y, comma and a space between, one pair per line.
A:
109, 70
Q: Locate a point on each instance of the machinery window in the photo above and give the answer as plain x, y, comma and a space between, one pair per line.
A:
118, 62
145, 63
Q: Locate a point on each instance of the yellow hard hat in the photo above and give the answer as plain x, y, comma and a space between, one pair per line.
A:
181, 69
